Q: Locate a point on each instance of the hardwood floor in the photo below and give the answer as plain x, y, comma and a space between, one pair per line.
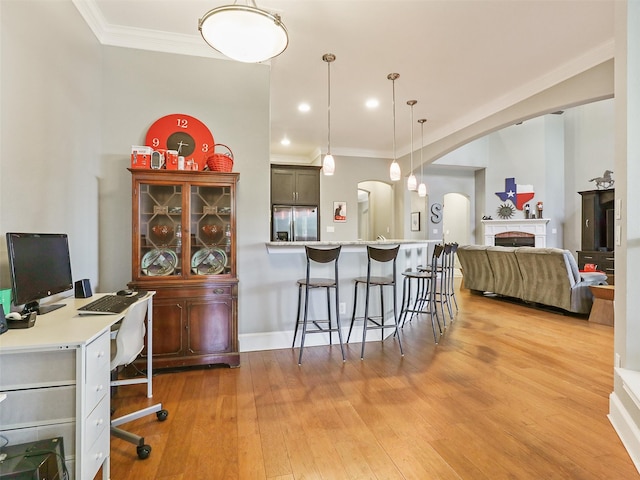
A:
510, 392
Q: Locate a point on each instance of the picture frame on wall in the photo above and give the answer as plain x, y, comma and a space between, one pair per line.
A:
340, 212
415, 221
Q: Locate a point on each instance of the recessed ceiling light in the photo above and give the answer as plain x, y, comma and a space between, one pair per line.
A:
304, 107
285, 141
372, 103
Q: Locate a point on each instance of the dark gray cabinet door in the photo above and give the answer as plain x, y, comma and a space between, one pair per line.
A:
295, 185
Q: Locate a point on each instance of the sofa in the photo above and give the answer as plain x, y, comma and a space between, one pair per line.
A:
545, 276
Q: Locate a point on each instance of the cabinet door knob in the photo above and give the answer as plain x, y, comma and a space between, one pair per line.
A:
586, 223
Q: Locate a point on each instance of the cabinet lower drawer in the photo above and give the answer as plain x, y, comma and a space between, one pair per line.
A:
94, 456
26, 408
25, 435
26, 370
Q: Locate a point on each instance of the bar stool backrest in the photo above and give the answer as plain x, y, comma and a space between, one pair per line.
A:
382, 254
323, 255
437, 251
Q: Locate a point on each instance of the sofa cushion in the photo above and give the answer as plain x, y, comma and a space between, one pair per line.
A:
507, 279
477, 273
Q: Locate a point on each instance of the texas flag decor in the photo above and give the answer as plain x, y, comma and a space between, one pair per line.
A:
518, 194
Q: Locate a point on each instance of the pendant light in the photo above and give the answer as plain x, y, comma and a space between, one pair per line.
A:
244, 32
328, 164
394, 170
412, 183
422, 188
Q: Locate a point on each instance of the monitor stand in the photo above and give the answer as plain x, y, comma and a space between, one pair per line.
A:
42, 309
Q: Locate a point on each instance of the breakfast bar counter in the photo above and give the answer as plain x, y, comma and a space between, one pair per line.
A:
287, 264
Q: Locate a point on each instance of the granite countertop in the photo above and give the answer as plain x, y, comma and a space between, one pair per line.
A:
298, 246
345, 242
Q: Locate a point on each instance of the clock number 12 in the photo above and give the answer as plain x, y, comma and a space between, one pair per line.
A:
182, 122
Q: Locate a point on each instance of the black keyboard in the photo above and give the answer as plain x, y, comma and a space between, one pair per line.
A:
109, 304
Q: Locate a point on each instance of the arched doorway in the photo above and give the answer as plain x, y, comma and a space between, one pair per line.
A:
375, 210
456, 218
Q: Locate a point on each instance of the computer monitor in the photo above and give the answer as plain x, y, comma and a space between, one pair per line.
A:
40, 266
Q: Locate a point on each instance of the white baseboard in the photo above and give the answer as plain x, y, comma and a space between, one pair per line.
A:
625, 427
251, 342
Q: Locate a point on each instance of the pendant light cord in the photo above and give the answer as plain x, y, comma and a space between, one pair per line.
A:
411, 103
328, 57
328, 108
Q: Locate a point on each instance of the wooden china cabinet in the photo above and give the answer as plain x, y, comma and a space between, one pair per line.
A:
184, 248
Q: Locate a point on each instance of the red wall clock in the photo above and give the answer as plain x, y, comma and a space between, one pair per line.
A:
184, 133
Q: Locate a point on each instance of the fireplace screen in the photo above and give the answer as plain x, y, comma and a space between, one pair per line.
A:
515, 239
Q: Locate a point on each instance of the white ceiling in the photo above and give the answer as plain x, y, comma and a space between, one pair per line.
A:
462, 60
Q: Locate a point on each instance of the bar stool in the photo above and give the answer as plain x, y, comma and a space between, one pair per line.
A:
451, 291
425, 299
442, 270
319, 256
376, 322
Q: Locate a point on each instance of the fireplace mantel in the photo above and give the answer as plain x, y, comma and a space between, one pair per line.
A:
534, 226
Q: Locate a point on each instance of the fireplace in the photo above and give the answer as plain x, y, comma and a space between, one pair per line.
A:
520, 232
514, 239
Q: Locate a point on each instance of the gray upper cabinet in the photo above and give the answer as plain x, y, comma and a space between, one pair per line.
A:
294, 185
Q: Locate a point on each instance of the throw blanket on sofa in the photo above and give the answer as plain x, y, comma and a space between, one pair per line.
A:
548, 276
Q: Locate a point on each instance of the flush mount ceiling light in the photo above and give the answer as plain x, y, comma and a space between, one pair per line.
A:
422, 188
328, 164
394, 169
244, 32
412, 183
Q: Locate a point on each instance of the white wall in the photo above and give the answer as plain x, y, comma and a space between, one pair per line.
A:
50, 137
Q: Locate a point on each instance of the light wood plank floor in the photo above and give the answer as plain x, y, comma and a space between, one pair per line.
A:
510, 392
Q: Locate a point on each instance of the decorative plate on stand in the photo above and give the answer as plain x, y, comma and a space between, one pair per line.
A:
208, 261
159, 262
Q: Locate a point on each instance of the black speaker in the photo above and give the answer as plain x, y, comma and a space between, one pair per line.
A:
83, 288
3, 321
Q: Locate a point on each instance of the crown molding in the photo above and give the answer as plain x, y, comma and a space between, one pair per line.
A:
140, 38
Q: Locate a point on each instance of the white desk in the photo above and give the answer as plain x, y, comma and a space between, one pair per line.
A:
56, 378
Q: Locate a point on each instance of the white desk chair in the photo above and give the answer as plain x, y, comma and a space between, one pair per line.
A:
126, 344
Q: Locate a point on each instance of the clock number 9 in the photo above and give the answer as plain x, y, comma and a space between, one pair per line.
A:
182, 122
155, 142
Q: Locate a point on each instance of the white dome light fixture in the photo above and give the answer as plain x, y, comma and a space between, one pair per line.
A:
412, 183
394, 169
244, 33
422, 188
328, 164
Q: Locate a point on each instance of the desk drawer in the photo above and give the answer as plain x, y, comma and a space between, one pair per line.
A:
97, 373
95, 455
98, 355
97, 421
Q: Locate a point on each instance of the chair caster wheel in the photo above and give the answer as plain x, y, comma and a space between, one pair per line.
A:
143, 452
162, 415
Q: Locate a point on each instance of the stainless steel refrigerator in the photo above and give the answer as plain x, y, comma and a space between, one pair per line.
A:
291, 224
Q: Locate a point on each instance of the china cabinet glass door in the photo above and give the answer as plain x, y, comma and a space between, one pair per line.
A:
211, 228
160, 230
